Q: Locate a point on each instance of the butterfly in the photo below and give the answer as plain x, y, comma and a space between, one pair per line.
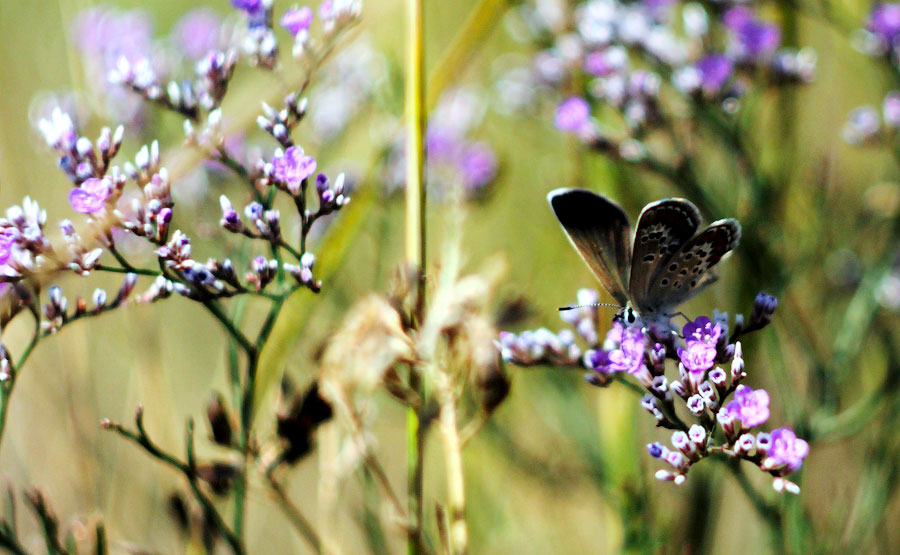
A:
666, 263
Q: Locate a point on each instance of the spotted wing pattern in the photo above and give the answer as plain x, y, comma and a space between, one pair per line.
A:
600, 232
688, 271
663, 228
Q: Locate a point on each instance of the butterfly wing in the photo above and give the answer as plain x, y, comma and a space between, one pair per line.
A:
663, 228
600, 232
687, 272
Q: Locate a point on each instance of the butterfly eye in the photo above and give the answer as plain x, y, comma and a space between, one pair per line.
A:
629, 316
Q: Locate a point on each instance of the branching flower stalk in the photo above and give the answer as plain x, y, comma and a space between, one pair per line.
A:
722, 426
28, 259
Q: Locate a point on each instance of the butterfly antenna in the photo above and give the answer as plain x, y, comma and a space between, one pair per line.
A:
574, 306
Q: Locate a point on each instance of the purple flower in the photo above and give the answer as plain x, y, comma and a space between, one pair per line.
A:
657, 450
441, 143
787, 450
754, 37
572, 115
884, 22
701, 337
596, 63
698, 357
297, 19
478, 165
6, 244
293, 167
714, 71
890, 110
626, 356
249, 6
326, 9
197, 33
90, 197
749, 406
110, 34
702, 329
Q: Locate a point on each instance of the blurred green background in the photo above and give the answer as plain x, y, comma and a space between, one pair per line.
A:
562, 467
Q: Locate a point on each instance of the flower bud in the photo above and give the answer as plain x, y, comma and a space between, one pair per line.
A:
219, 422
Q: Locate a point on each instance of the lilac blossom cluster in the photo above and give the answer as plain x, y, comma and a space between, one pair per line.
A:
453, 159
260, 43
880, 39
120, 208
132, 202
727, 412
627, 55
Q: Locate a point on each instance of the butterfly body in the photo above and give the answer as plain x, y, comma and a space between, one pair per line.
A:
668, 261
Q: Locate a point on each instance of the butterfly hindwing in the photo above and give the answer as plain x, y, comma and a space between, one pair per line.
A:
663, 228
599, 230
688, 271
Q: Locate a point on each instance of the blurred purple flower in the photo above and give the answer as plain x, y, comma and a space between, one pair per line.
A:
6, 243
90, 197
755, 38
884, 22
198, 32
249, 6
326, 9
293, 167
440, 143
297, 19
597, 63
787, 450
749, 406
714, 71
110, 34
573, 114
659, 8
478, 165
890, 110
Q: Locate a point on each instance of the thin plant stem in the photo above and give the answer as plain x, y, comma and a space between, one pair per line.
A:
295, 517
415, 244
141, 439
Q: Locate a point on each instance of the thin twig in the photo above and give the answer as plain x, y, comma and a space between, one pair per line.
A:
295, 517
141, 439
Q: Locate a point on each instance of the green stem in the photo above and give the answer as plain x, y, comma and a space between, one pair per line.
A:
7, 389
215, 309
415, 245
186, 468
126, 270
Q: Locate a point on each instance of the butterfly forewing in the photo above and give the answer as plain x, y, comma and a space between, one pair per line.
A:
662, 228
688, 271
600, 231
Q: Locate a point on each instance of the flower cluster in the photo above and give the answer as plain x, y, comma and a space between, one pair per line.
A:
22, 241
867, 124
132, 202
726, 411
453, 159
259, 41
629, 54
